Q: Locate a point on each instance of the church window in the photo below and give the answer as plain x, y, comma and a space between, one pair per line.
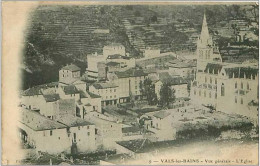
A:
222, 90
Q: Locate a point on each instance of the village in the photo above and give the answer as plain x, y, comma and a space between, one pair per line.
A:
124, 108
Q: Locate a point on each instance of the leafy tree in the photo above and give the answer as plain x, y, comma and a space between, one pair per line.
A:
167, 95
148, 90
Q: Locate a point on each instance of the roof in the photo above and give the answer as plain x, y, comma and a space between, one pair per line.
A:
117, 56
137, 145
71, 67
131, 129
161, 114
37, 90
70, 89
51, 97
38, 122
113, 63
92, 95
213, 68
241, 72
72, 121
131, 73
104, 85
166, 78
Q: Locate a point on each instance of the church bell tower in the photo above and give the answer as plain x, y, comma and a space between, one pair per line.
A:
204, 47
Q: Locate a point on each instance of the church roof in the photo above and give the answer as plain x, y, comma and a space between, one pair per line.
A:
241, 72
213, 68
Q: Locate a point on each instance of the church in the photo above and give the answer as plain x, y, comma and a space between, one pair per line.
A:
226, 87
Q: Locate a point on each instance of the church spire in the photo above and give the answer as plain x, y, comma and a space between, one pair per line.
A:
205, 38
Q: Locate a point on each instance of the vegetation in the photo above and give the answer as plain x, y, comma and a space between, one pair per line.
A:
167, 95
148, 90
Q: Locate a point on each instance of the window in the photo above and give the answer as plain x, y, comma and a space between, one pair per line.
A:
135, 87
205, 94
247, 86
50, 132
114, 90
242, 86
235, 99
216, 81
222, 90
210, 80
79, 128
87, 127
115, 96
59, 137
194, 92
199, 93
206, 79
236, 85
88, 133
242, 101
209, 94
44, 133
110, 90
216, 95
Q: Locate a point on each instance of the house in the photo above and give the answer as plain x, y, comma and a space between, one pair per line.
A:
51, 136
178, 84
128, 83
69, 73
106, 132
108, 92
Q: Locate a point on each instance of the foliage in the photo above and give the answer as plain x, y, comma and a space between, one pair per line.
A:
148, 90
167, 95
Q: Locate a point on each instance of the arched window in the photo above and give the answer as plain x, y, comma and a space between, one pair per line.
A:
222, 90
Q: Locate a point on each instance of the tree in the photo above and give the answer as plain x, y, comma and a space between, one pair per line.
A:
148, 90
167, 95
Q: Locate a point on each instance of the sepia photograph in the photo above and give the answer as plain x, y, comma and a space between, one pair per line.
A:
130, 83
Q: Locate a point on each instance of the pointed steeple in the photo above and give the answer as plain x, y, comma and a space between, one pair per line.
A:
204, 30
205, 38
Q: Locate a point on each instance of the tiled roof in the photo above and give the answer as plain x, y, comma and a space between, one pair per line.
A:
92, 95
66, 106
161, 114
38, 122
213, 68
104, 85
131, 73
70, 89
113, 63
71, 67
138, 145
131, 129
241, 72
37, 90
72, 121
114, 44
51, 97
